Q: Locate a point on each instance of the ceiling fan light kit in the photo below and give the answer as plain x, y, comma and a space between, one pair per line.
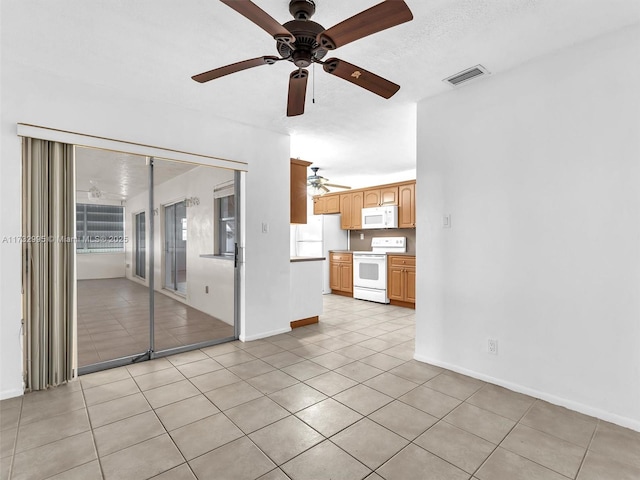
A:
319, 184
303, 42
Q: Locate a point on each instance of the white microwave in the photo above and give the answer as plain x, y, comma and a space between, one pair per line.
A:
380, 217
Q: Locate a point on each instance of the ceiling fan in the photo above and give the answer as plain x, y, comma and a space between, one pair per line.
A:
303, 42
95, 193
320, 183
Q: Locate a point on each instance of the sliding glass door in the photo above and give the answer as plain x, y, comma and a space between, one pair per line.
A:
196, 267
175, 247
140, 252
157, 272
112, 304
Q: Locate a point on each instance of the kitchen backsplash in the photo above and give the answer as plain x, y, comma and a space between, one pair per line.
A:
364, 245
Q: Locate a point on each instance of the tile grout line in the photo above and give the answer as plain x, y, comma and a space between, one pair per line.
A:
15, 446
500, 443
586, 451
93, 439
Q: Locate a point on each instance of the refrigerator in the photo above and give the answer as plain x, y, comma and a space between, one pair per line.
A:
321, 234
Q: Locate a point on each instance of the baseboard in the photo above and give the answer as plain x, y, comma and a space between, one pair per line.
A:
304, 322
344, 294
258, 336
14, 392
398, 303
548, 397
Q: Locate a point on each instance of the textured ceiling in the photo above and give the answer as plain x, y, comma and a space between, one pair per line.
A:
150, 48
120, 176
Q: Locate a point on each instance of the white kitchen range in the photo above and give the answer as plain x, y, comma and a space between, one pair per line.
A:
370, 268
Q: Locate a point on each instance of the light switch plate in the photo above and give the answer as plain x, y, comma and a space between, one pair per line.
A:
446, 221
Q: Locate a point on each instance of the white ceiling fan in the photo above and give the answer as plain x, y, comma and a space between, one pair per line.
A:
319, 184
95, 194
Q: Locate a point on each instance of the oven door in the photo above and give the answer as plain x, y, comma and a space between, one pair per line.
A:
370, 271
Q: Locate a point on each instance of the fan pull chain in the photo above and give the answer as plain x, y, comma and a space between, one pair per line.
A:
313, 100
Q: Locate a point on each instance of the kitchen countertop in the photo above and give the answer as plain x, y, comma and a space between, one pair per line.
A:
408, 254
307, 259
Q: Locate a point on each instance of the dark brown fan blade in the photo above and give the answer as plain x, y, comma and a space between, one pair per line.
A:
362, 78
261, 18
375, 19
297, 92
234, 67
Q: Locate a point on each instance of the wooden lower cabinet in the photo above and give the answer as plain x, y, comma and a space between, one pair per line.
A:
341, 273
401, 280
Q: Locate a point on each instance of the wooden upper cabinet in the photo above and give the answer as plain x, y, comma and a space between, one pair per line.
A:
351, 210
326, 204
298, 196
407, 205
376, 197
345, 210
402, 194
333, 204
371, 198
389, 196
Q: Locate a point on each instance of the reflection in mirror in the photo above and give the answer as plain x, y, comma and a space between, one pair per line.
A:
191, 251
113, 311
193, 274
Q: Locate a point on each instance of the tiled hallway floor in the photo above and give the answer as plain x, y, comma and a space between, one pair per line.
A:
339, 400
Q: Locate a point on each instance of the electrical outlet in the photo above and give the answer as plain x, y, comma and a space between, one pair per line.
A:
492, 346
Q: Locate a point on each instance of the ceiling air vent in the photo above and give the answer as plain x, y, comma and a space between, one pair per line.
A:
466, 75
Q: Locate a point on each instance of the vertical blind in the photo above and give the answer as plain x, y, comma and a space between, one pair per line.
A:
48, 267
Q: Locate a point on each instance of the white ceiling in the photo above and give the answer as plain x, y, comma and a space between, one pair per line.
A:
120, 176
149, 49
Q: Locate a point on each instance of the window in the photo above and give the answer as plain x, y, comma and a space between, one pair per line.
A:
99, 228
140, 245
226, 211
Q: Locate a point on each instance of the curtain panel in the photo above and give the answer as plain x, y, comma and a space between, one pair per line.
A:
48, 267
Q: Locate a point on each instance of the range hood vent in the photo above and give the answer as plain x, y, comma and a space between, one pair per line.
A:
466, 75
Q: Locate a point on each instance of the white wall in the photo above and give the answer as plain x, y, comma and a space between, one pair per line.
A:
31, 95
91, 266
217, 274
539, 168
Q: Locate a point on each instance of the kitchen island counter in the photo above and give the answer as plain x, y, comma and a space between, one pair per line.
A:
305, 290
307, 259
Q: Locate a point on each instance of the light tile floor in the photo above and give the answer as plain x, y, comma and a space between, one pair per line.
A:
113, 321
339, 400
